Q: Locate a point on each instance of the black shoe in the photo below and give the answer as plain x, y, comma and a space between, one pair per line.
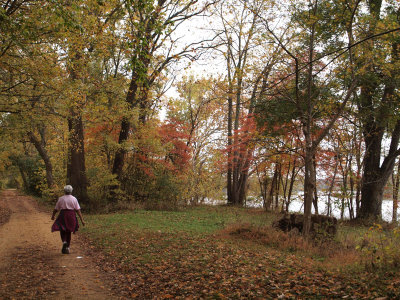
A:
64, 248
67, 250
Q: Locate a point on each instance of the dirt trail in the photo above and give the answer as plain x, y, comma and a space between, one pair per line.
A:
31, 263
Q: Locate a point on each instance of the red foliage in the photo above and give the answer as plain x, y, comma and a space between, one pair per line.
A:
243, 144
174, 137
96, 135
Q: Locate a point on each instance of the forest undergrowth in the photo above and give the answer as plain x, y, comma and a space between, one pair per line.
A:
233, 253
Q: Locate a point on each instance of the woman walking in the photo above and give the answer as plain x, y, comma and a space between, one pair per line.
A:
66, 221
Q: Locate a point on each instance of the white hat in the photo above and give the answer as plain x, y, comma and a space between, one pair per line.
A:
68, 189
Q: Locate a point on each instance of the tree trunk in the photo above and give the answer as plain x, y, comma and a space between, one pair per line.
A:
272, 189
263, 183
315, 198
292, 180
358, 176
285, 183
278, 185
120, 154
375, 175
351, 204
396, 184
119, 159
371, 198
230, 158
309, 184
76, 170
375, 123
344, 189
372, 184
309, 155
331, 186
40, 147
243, 188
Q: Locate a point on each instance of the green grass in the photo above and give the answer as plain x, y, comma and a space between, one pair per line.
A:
198, 220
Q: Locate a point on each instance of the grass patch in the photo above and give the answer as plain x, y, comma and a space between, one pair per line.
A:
228, 252
200, 220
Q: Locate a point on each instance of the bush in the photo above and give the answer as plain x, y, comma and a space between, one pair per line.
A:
104, 190
154, 185
380, 247
31, 170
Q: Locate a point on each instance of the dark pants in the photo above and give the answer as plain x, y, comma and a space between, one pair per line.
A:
65, 237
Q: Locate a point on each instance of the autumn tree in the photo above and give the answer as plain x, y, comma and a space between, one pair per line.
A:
29, 71
200, 107
152, 46
157, 176
84, 40
249, 61
313, 99
377, 65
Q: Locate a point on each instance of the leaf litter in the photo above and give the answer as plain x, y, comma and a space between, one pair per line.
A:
180, 265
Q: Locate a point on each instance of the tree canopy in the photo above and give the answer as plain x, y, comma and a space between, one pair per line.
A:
174, 102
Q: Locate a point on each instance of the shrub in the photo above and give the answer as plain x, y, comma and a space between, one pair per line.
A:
380, 247
31, 170
155, 186
104, 190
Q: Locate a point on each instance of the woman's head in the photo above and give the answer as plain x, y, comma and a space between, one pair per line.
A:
68, 189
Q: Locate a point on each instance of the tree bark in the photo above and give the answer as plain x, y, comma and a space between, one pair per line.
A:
231, 200
76, 170
309, 155
375, 174
375, 123
331, 186
396, 184
119, 159
315, 198
351, 204
40, 147
309, 186
292, 180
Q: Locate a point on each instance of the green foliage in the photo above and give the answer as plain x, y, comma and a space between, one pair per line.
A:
11, 178
380, 247
153, 184
104, 186
31, 169
275, 111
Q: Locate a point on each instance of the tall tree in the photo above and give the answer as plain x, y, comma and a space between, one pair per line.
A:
152, 46
378, 66
29, 70
249, 62
82, 38
312, 99
201, 108
40, 145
